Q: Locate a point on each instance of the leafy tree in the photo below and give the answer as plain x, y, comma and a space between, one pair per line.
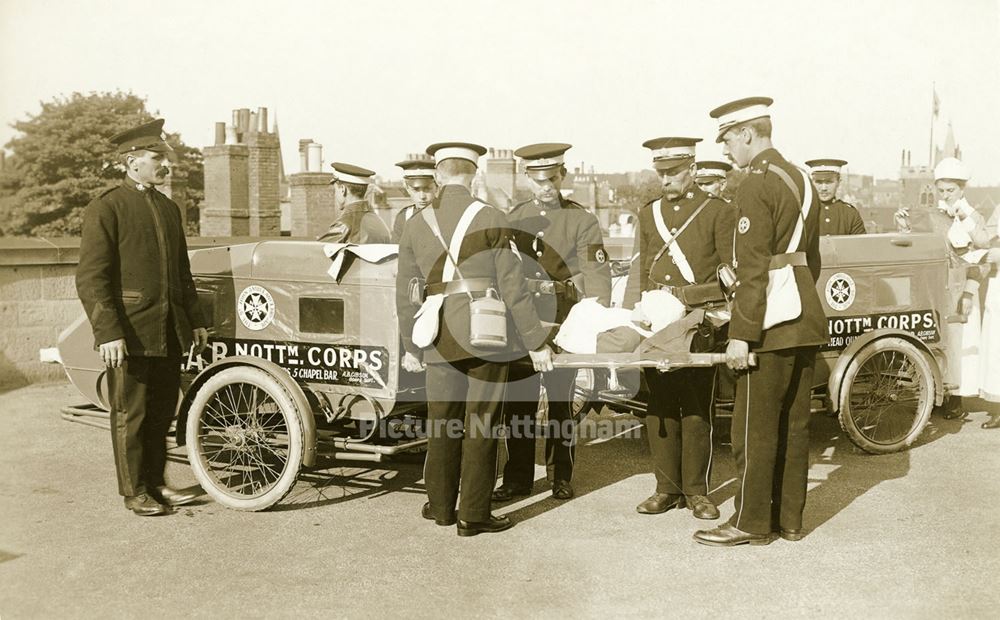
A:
62, 159
638, 190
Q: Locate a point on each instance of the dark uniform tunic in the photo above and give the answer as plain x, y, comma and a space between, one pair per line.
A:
678, 421
357, 224
770, 427
134, 281
401, 218
564, 260
840, 218
465, 384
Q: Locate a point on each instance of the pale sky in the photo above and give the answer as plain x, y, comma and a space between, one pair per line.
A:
373, 80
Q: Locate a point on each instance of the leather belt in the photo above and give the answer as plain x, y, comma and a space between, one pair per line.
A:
796, 259
551, 287
469, 285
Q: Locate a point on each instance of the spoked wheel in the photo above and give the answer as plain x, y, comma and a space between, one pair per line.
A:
245, 441
887, 395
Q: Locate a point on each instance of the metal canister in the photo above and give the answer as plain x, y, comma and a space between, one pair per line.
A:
488, 321
727, 280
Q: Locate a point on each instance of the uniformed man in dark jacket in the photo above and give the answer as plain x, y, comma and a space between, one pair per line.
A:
135, 284
837, 217
418, 178
564, 260
778, 226
356, 221
466, 370
711, 176
681, 239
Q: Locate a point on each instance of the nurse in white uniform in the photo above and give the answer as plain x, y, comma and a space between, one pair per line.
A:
966, 232
989, 356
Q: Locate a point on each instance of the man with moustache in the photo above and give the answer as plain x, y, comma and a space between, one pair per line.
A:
681, 239
135, 284
778, 227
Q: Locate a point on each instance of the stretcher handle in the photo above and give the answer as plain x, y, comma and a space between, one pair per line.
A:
687, 360
720, 358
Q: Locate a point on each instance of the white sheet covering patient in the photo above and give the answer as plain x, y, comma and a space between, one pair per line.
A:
587, 319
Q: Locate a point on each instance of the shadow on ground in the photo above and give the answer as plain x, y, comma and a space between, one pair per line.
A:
840, 472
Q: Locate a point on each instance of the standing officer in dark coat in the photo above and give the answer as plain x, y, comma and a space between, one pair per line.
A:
465, 381
135, 284
563, 258
838, 217
778, 226
681, 239
418, 178
356, 222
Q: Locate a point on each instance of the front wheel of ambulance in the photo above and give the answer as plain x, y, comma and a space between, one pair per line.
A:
245, 441
887, 395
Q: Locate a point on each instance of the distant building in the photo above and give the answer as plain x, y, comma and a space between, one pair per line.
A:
886, 193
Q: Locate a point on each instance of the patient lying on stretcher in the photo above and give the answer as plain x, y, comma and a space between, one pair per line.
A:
660, 322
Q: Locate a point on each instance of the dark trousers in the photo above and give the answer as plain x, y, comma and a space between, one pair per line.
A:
463, 404
770, 437
143, 393
679, 428
520, 414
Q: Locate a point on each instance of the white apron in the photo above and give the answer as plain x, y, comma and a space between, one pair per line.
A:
989, 353
968, 333
968, 383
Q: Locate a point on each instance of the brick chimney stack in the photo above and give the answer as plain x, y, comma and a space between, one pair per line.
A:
227, 190
312, 195
226, 212
263, 177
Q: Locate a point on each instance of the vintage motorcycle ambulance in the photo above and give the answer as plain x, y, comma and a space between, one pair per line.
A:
304, 357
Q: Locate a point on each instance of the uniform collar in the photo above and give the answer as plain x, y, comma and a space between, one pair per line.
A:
765, 157
692, 192
558, 204
357, 205
451, 189
130, 183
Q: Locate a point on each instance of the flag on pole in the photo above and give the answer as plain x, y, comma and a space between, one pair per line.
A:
937, 103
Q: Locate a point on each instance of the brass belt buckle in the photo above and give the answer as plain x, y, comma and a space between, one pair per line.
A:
547, 288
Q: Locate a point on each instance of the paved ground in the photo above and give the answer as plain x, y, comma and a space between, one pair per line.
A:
910, 535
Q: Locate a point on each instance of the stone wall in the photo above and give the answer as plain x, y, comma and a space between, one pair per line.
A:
38, 300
